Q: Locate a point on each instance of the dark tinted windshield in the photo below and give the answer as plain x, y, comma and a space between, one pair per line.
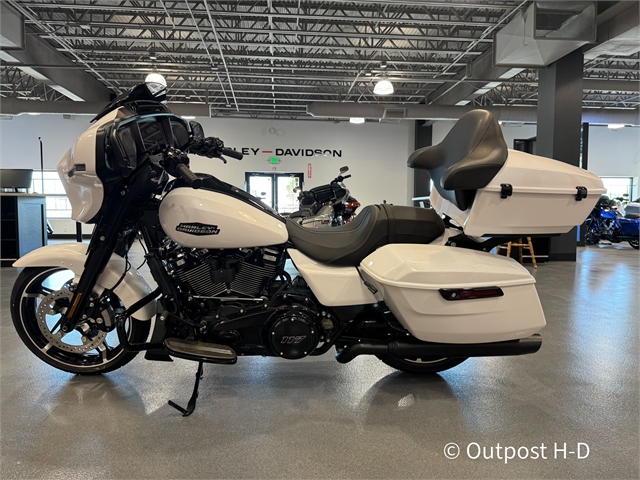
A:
139, 94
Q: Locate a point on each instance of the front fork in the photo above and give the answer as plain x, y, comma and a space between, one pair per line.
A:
102, 245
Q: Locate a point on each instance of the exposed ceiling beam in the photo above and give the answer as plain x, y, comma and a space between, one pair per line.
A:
334, 18
76, 84
238, 43
284, 32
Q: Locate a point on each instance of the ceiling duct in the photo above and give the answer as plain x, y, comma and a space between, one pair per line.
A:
620, 34
527, 114
543, 33
393, 115
11, 28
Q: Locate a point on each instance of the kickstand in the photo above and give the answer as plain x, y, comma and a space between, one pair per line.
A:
191, 406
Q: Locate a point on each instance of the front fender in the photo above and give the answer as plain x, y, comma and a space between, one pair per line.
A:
73, 256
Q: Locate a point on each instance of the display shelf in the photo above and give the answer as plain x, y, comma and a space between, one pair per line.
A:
23, 226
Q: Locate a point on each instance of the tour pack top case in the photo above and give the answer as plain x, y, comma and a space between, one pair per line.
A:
490, 190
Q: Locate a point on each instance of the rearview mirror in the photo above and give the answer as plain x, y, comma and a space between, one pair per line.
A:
196, 129
344, 169
297, 189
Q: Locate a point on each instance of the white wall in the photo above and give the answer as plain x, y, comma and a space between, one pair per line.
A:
375, 153
19, 146
614, 153
510, 132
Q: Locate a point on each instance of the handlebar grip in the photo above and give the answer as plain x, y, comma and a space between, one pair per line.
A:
188, 176
232, 153
346, 176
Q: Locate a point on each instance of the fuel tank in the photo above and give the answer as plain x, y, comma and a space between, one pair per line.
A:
206, 218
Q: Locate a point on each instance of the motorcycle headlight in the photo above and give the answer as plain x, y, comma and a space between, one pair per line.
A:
157, 89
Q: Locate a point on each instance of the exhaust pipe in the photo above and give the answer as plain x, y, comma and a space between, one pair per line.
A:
402, 349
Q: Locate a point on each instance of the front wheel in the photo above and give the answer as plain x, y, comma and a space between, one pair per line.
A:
635, 244
421, 365
592, 236
39, 299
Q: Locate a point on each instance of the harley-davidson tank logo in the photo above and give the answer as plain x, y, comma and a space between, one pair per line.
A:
198, 229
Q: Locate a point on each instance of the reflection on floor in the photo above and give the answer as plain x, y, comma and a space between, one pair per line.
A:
315, 418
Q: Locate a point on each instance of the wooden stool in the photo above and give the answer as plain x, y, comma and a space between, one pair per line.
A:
520, 245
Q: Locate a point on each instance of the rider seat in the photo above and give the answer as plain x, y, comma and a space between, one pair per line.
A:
467, 159
375, 226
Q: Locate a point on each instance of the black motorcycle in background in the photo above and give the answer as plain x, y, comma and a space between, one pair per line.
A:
328, 205
606, 223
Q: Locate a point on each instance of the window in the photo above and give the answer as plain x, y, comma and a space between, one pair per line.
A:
275, 189
618, 187
58, 205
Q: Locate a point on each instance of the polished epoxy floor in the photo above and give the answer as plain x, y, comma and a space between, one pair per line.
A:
315, 418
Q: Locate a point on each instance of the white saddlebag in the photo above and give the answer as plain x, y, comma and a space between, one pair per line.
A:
542, 199
410, 277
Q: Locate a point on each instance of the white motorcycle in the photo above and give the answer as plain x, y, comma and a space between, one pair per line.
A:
419, 292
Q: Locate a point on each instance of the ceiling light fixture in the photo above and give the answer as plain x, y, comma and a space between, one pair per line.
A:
383, 87
188, 117
356, 120
615, 126
463, 102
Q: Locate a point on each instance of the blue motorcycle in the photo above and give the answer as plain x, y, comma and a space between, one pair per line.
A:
606, 223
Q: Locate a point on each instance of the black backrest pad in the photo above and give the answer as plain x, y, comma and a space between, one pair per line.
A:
375, 226
468, 158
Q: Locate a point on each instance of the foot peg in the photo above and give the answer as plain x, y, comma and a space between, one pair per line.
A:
200, 351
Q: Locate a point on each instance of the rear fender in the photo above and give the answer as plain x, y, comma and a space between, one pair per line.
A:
133, 287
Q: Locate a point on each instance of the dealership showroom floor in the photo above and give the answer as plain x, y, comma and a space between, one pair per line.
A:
323, 189
316, 418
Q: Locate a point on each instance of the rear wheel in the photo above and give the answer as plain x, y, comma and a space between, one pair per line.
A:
421, 365
39, 299
635, 244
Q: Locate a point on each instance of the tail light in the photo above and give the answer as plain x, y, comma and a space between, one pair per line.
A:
470, 293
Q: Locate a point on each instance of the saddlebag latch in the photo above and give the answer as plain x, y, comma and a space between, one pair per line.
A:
506, 190
582, 193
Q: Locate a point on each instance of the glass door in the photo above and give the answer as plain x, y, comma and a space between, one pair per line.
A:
260, 185
287, 200
275, 189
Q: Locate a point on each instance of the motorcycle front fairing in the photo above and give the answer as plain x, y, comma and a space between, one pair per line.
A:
92, 169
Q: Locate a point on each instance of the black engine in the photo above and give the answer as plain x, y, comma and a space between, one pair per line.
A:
242, 298
245, 273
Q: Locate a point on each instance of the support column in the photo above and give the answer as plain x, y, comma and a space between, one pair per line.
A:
421, 180
559, 122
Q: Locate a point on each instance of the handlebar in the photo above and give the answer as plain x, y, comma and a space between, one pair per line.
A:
340, 178
212, 147
232, 153
188, 176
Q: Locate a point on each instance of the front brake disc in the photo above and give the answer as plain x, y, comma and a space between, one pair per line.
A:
48, 307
